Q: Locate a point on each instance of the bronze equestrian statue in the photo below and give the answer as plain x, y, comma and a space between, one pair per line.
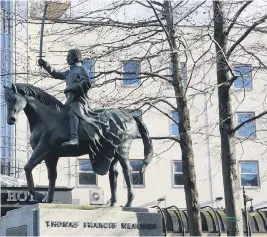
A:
105, 135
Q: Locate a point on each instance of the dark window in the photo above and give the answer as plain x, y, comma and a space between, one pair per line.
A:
86, 174
138, 179
174, 126
89, 65
244, 74
131, 70
249, 129
249, 173
178, 176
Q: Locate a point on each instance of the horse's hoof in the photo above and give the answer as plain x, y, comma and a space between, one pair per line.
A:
128, 204
49, 200
38, 197
113, 203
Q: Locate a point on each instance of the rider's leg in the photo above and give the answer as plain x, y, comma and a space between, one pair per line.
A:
73, 123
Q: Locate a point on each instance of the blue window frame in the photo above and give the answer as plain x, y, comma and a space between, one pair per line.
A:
178, 176
7, 131
138, 179
86, 174
174, 126
249, 173
131, 70
137, 113
3, 115
89, 65
249, 129
244, 74
184, 72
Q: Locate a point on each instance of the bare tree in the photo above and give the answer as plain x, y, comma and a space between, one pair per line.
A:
225, 79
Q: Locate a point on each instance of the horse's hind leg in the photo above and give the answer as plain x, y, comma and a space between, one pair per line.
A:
123, 154
113, 175
51, 164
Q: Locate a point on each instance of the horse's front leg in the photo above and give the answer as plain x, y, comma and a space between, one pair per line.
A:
51, 164
36, 158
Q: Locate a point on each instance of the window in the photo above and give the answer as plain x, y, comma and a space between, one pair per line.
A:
132, 73
3, 115
5, 166
244, 74
138, 179
249, 173
89, 65
86, 174
7, 132
174, 126
184, 72
137, 113
249, 129
178, 177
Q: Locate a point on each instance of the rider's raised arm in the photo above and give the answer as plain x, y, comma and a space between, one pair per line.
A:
55, 73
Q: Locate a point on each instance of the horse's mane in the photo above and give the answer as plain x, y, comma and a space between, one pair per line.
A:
38, 93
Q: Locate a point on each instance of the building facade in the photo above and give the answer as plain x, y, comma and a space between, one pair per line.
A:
162, 183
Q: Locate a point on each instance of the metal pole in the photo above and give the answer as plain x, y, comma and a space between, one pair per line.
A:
245, 210
42, 32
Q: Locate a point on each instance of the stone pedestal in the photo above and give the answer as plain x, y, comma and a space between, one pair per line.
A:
76, 220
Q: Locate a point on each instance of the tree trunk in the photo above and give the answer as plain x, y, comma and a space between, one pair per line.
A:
229, 164
191, 193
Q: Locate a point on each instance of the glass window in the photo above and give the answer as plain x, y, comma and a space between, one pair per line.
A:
138, 179
131, 70
7, 132
86, 173
174, 126
184, 72
249, 129
3, 115
178, 176
249, 173
89, 65
244, 74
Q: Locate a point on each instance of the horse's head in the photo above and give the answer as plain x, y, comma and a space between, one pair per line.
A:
15, 103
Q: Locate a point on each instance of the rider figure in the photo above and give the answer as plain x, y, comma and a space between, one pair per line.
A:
77, 85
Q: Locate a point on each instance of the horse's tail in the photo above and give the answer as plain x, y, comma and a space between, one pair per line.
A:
148, 148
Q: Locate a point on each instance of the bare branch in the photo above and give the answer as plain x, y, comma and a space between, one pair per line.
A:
191, 11
236, 17
247, 121
260, 21
162, 25
254, 55
225, 58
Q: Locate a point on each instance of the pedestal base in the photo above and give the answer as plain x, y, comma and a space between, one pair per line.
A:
76, 220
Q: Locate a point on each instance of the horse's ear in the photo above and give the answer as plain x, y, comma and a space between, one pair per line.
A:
14, 88
5, 87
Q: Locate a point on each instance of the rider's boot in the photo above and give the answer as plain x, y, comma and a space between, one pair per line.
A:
73, 122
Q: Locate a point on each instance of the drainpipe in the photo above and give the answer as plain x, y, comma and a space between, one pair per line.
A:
207, 129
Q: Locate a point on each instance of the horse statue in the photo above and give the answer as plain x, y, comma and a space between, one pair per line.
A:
106, 136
